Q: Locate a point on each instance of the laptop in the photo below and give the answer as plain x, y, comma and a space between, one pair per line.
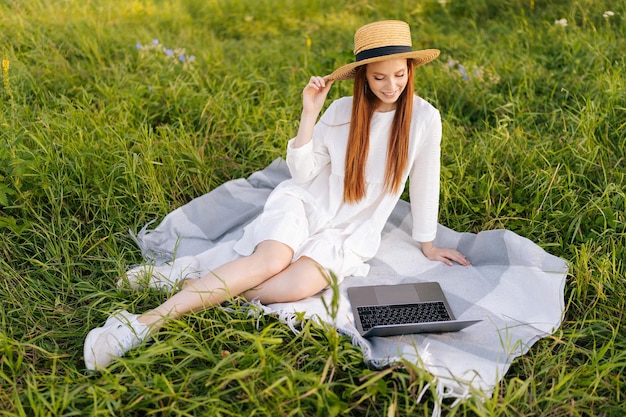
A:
389, 310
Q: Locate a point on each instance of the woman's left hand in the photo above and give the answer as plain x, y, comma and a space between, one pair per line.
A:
445, 255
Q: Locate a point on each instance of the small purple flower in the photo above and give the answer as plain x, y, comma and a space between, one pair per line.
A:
155, 41
138, 45
182, 58
192, 58
169, 52
463, 72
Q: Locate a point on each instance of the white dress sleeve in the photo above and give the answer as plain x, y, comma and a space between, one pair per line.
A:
424, 182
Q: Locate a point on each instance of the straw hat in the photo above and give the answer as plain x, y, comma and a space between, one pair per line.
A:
380, 41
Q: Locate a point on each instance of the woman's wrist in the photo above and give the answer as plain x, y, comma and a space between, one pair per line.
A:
427, 247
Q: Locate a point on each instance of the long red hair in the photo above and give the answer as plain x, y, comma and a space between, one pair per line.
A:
364, 103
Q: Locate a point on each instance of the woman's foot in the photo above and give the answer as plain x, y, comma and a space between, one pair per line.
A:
119, 334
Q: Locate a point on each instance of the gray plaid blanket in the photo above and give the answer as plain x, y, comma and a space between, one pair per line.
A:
513, 285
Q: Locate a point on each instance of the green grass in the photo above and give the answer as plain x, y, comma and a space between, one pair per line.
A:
99, 137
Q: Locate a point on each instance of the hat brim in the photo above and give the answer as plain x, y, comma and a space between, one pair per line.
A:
348, 71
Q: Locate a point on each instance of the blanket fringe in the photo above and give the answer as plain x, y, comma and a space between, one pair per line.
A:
149, 253
291, 320
444, 390
257, 310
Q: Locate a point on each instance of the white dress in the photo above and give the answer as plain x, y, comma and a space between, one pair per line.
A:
307, 212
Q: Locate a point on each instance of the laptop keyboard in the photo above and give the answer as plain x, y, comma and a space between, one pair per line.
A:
384, 315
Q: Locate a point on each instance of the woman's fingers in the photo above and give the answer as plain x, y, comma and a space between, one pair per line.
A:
456, 256
448, 256
316, 84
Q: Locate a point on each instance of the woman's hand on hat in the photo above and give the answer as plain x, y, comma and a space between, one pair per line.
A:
315, 93
445, 255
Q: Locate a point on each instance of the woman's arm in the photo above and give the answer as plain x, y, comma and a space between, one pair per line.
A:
424, 190
424, 175
313, 98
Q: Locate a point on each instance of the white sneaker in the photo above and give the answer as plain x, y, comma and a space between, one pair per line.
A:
120, 333
164, 277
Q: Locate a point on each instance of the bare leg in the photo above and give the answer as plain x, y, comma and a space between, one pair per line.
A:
229, 280
301, 279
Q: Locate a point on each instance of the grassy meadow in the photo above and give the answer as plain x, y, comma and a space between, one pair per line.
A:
113, 113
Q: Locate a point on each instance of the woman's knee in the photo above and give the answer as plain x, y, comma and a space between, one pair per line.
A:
272, 257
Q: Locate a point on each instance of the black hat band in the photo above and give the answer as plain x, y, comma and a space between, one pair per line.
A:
382, 51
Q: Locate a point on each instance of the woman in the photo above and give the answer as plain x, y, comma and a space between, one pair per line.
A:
348, 172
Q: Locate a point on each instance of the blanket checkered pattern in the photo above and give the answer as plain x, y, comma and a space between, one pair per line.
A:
513, 285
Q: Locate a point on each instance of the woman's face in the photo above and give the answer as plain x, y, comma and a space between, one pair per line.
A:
387, 80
